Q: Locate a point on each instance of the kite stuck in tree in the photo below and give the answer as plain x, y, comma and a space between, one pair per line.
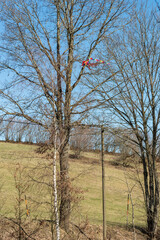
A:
91, 62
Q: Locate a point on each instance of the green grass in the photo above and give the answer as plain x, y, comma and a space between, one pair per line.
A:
116, 194
85, 175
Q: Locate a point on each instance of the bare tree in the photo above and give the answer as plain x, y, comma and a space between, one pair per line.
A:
137, 102
82, 139
21, 188
42, 46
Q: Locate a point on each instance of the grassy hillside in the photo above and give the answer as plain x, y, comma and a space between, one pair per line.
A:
85, 174
116, 190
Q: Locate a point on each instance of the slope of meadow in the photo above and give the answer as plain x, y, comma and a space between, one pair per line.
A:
21, 163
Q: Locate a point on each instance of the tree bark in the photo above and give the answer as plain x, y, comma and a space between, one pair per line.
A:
152, 210
65, 202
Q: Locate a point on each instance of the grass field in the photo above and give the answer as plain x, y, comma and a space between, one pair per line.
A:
85, 174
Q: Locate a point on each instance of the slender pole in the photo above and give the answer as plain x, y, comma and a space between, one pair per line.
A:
127, 208
103, 184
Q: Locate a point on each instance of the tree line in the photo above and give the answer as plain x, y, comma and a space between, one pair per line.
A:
81, 138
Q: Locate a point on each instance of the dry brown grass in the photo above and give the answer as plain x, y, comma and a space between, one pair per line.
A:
83, 231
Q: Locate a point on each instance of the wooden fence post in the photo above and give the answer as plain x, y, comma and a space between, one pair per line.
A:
103, 184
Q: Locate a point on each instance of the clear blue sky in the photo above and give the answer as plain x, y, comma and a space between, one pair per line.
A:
4, 76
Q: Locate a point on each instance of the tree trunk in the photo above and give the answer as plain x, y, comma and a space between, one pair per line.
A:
152, 213
152, 225
55, 187
65, 188
151, 183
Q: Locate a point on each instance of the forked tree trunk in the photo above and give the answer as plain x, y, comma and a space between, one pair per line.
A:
65, 189
152, 225
152, 211
151, 183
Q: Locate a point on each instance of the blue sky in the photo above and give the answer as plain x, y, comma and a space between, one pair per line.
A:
5, 76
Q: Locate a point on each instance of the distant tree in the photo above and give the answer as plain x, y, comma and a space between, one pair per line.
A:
8, 129
82, 139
